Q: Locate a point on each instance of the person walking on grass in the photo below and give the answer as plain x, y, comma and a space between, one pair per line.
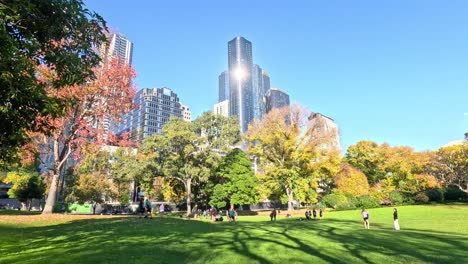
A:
365, 216
321, 214
148, 207
314, 212
273, 215
141, 207
396, 225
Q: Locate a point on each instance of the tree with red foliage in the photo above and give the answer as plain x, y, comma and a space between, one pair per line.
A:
108, 95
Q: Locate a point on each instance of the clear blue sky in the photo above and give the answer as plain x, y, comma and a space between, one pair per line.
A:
387, 71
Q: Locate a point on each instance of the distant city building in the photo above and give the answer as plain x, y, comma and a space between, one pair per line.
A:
222, 108
240, 80
186, 114
325, 130
276, 98
266, 81
156, 106
260, 86
223, 86
455, 143
118, 46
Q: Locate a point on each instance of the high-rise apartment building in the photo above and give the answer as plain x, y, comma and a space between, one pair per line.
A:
186, 113
156, 106
118, 46
222, 108
275, 98
240, 80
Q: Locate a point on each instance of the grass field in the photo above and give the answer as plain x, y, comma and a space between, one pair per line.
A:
430, 234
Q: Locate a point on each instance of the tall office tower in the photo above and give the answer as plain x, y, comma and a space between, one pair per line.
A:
258, 92
222, 108
118, 46
275, 98
223, 86
325, 130
157, 105
240, 80
266, 81
186, 114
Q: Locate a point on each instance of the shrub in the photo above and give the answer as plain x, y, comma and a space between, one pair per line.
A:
368, 201
125, 200
435, 195
454, 194
421, 198
396, 198
351, 203
334, 200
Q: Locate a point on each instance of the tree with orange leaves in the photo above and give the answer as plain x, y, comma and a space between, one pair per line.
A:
351, 181
108, 95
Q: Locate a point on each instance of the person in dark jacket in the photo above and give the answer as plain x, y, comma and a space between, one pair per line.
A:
273, 215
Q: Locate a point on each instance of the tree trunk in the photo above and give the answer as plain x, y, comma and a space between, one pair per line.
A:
289, 193
50, 202
188, 189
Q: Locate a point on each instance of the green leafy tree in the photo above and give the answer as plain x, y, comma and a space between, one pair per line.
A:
188, 151
123, 171
287, 150
92, 187
61, 34
27, 185
236, 181
366, 157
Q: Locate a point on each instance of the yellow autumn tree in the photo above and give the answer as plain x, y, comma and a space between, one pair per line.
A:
351, 181
290, 152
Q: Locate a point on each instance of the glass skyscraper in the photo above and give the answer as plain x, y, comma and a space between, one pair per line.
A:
260, 81
223, 86
240, 80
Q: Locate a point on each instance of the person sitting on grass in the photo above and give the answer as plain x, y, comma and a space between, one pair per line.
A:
161, 210
220, 218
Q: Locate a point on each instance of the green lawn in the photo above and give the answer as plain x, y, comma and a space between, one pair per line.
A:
430, 234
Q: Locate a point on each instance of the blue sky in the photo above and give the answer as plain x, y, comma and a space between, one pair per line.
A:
387, 71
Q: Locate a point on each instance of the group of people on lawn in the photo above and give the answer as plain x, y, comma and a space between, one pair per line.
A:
365, 216
216, 216
309, 214
145, 207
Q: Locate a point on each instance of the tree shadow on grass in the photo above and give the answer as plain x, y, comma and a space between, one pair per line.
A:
169, 240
